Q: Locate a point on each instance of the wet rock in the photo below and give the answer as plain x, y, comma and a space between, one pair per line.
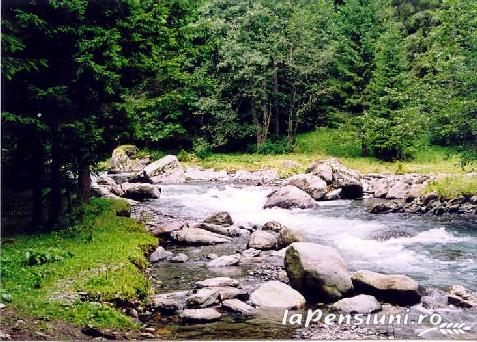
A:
228, 292
332, 195
169, 226
200, 315
262, 240
311, 184
434, 299
384, 207
197, 236
358, 304
462, 297
159, 254
224, 261
165, 170
392, 288
388, 234
317, 271
170, 302
250, 253
289, 197
237, 306
211, 256
277, 295
217, 282
273, 226
146, 335
259, 177
179, 258
287, 236
221, 218
140, 191
203, 297
231, 231
208, 175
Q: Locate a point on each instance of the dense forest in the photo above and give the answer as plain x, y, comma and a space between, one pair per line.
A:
80, 77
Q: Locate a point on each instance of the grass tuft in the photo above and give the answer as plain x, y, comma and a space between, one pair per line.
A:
453, 187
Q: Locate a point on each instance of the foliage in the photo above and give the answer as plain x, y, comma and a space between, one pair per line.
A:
453, 187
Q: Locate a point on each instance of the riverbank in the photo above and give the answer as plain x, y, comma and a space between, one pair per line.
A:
89, 274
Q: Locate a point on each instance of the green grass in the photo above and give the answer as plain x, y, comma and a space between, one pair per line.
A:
324, 143
453, 187
42, 274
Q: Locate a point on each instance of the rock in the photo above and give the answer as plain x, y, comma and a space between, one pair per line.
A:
435, 299
259, 177
262, 240
317, 271
250, 253
289, 197
179, 258
388, 234
381, 187
311, 184
169, 226
141, 191
159, 254
217, 282
273, 226
473, 199
100, 191
237, 306
203, 297
146, 335
384, 207
398, 191
228, 292
224, 261
221, 218
277, 295
287, 236
211, 256
165, 170
105, 180
290, 164
429, 197
358, 304
461, 297
332, 195
322, 170
231, 231
200, 315
196, 236
392, 288
170, 302
123, 159
208, 175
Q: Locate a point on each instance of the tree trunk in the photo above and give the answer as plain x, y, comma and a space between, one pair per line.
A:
84, 181
276, 110
39, 172
55, 205
291, 126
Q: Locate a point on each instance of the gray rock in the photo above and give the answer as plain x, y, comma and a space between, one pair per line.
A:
196, 236
224, 261
200, 315
231, 231
237, 306
123, 159
208, 175
250, 253
462, 297
429, 197
392, 288
159, 254
179, 258
277, 295
399, 190
228, 292
311, 184
384, 207
202, 298
140, 191
289, 197
287, 236
273, 226
169, 226
221, 218
170, 302
332, 195
317, 271
358, 304
217, 282
262, 240
165, 170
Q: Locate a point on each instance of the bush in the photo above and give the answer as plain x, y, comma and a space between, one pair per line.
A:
280, 146
201, 148
35, 257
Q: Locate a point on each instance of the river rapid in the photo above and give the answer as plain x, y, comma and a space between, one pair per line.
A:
437, 252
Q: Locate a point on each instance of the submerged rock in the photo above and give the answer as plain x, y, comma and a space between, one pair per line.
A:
262, 240
392, 288
317, 271
237, 306
197, 236
289, 197
200, 315
277, 295
358, 304
179, 258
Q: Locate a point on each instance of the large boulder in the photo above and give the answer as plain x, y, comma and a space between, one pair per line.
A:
399, 190
277, 295
224, 261
262, 240
197, 236
392, 288
289, 197
287, 236
317, 271
165, 170
221, 218
336, 175
123, 159
200, 315
311, 184
361, 304
461, 297
141, 191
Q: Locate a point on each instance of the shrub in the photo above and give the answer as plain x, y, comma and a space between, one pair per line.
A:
201, 148
280, 146
35, 257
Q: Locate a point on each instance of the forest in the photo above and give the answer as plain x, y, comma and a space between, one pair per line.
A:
81, 77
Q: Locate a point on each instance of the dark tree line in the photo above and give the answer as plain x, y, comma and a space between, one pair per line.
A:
80, 77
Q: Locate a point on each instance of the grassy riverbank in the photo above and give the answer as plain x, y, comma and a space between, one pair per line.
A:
100, 255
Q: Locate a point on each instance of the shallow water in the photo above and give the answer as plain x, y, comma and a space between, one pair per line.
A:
436, 252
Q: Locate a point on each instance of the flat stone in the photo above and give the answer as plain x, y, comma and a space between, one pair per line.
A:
237, 306
224, 261
196, 236
217, 282
200, 315
203, 297
277, 295
358, 304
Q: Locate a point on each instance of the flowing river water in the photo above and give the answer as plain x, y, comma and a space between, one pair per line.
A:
436, 252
